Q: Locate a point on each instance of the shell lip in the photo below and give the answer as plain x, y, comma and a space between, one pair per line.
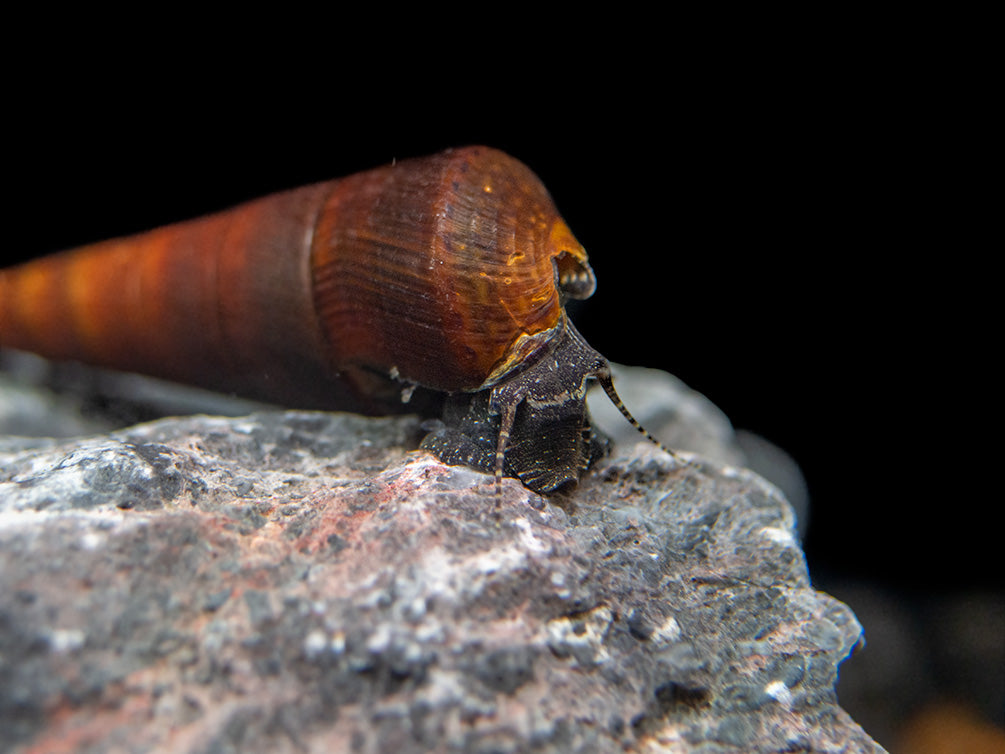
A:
523, 351
574, 276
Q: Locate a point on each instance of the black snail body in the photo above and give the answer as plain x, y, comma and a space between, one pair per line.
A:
439, 279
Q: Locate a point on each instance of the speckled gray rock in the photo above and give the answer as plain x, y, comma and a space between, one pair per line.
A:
302, 582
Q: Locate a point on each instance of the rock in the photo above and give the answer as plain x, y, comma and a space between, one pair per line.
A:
684, 418
293, 581
41, 398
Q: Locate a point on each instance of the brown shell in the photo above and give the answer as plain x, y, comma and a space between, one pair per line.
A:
443, 271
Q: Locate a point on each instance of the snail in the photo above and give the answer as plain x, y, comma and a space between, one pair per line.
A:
432, 285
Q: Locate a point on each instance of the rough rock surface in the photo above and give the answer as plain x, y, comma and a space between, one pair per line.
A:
301, 582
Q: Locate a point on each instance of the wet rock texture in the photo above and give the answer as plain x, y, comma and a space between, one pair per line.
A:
302, 582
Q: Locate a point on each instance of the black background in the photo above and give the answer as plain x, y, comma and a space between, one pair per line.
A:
760, 218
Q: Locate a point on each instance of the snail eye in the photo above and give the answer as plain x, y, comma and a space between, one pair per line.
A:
574, 276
